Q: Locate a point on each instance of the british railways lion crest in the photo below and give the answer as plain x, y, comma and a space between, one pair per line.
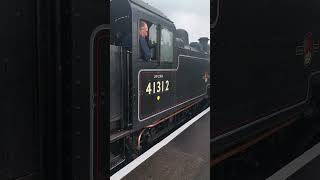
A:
308, 49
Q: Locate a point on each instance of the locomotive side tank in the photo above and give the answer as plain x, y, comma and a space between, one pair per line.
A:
264, 66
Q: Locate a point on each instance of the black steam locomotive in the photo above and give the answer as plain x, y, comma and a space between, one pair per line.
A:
148, 98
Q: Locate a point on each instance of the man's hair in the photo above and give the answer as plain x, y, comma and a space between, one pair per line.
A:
142, 24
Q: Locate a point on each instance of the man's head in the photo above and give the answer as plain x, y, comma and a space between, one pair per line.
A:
143, 29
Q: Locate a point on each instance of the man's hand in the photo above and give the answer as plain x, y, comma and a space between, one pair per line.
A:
152, 45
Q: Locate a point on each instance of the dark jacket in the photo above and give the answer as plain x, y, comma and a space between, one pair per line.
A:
144, 49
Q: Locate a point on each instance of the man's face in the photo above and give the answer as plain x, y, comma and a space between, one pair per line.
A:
144, 31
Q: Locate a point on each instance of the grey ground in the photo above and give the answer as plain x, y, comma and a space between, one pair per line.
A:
311, 171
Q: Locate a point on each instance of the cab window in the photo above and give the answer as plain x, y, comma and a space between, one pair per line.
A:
151, 39
166, 46
153, 34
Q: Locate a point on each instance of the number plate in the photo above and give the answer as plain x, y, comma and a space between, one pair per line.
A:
157, 91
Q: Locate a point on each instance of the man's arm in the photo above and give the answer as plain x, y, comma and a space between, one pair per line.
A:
145, 49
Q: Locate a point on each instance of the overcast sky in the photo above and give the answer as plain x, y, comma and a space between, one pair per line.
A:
191, 15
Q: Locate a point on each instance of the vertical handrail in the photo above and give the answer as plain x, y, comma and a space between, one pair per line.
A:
128, 87
123, 89
217, 15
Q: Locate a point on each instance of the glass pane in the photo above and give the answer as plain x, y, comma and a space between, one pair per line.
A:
166, 48
153, 33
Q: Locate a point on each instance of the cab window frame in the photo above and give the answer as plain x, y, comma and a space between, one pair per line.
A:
157, 28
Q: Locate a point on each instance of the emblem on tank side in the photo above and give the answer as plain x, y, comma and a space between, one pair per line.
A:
308, 49
205, 77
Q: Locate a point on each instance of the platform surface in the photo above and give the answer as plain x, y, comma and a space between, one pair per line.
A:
311, 171
186, 157
304, 167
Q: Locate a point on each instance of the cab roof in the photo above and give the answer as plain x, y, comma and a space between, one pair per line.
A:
150, 8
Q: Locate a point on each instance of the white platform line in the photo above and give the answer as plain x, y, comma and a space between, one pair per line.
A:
135, 163
296, 164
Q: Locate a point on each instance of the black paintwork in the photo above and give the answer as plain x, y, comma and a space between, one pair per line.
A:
45, 94
115, 86
256, 71
19, 130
